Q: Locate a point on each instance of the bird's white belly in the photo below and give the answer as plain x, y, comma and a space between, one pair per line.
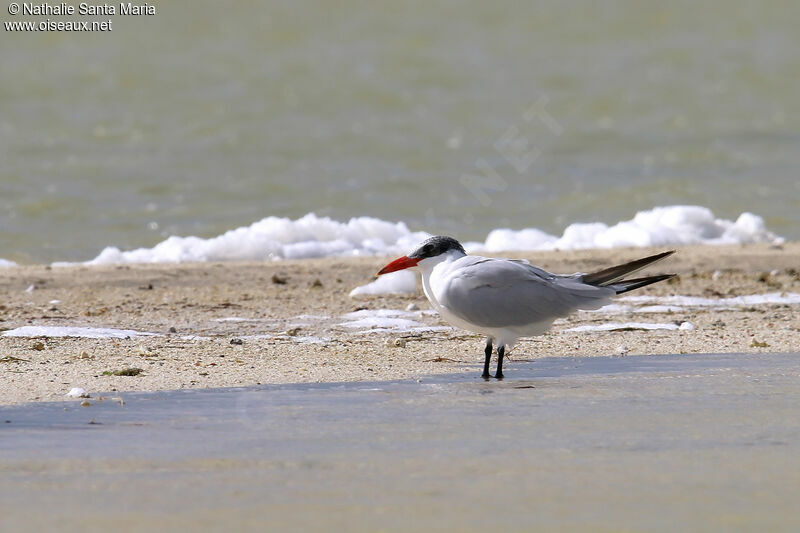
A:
502, 336
506, 336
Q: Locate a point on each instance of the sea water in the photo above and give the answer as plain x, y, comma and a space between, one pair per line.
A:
694, 442
563, 119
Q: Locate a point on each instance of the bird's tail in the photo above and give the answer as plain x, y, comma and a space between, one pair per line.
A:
613, 277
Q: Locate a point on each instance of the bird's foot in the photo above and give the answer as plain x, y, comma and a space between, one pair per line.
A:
499, 375
486, 376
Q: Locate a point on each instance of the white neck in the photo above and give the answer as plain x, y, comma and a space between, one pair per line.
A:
426, 268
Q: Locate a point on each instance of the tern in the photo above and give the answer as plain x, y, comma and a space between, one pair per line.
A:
505, 299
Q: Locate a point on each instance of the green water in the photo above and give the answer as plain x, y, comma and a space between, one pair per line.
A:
208, 116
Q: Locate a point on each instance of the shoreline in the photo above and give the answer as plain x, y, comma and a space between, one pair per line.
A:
287, 321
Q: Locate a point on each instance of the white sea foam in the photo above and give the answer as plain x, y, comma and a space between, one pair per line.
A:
313, 318
611, 309
382, 313
4, 263
771, 298
61, 331
239, 319
675, 304
401, 282
660, 226
616, 326
389, 320
381, 323
313, 236
277, 238
410, 329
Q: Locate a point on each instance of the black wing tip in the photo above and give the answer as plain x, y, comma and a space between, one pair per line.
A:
637, 283
611, 275
661, 254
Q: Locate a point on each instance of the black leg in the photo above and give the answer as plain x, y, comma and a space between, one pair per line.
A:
488, 353
501, 350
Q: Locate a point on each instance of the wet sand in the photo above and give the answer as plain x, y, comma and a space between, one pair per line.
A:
285, 321
703, 442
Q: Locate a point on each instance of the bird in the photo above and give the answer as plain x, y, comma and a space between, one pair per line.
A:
506, 299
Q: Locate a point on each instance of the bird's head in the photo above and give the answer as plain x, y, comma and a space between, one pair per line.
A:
427, 255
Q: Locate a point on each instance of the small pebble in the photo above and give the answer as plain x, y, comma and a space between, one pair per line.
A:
622, 350
173, 330
316, 283
237, 341
412, 307
278, 280
716, 275
85, 403
38, 346
686, 326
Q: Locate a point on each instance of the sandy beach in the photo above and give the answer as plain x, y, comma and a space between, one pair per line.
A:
235, 324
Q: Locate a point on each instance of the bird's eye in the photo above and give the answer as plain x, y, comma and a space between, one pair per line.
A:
427, 249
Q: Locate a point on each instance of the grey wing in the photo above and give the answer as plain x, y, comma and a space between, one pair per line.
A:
500, 293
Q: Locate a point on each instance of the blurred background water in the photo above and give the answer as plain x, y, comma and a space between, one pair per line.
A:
208, 116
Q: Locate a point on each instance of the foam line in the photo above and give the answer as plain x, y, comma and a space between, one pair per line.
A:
313, 236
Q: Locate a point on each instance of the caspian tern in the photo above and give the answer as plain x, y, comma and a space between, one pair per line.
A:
506, 299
